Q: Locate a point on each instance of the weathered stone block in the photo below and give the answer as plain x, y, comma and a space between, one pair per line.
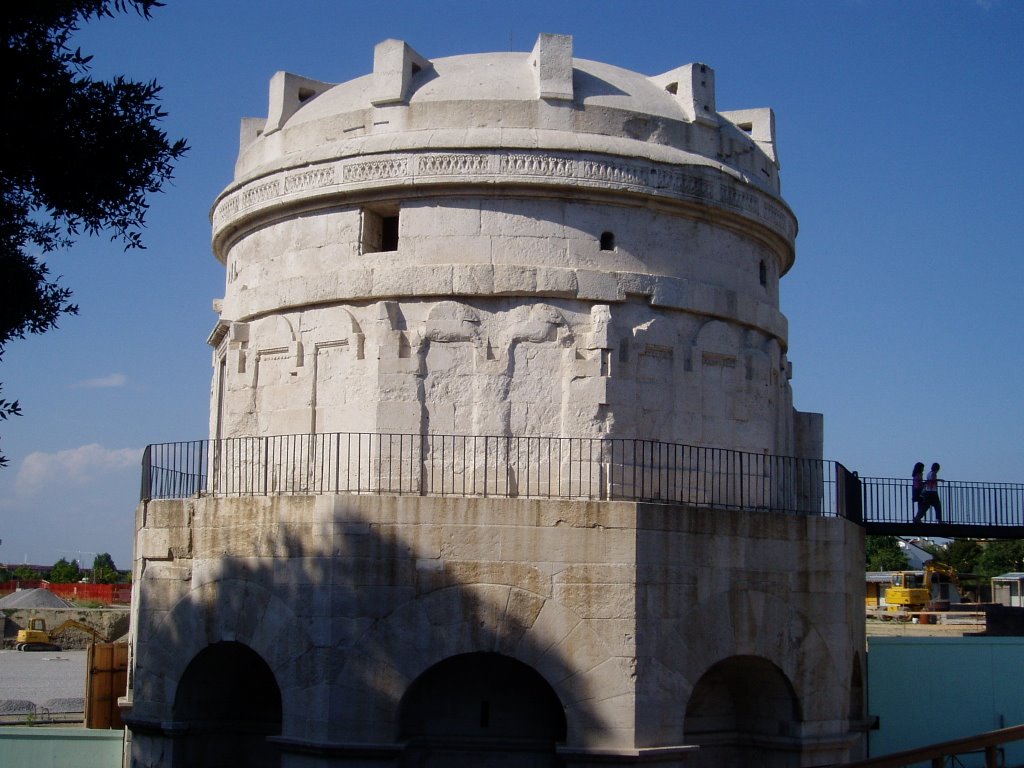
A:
598, 286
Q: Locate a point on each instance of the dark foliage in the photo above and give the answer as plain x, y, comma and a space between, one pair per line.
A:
962, 554
883, 553
65, 572
24, 573
77, 156
1001, 556
103, 569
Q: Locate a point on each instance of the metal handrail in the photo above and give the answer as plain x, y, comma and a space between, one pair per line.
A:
888, 500
499, 466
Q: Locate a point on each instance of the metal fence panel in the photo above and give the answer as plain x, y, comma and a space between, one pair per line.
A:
495, 465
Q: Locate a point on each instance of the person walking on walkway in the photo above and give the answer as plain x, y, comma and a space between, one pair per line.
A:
916, 489
930, 494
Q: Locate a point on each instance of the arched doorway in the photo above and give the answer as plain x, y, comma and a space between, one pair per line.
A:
480, 709
744, 712
228, 703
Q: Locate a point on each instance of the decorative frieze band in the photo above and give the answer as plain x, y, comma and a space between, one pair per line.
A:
452, 164
536, 165
376, 170
314, 178
654, 179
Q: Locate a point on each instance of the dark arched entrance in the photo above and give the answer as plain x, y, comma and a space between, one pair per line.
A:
227, 702
480, 709
744, 712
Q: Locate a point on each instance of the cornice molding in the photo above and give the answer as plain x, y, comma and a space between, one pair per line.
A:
351, 177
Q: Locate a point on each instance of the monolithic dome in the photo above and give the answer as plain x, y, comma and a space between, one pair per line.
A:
503, 466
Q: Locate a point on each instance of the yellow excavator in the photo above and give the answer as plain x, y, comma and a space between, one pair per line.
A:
37, 638
912, 590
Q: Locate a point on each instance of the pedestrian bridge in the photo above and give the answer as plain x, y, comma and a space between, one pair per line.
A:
972, 510
602, 469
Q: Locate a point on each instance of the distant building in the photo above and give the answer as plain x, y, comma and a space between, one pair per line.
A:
504, 455
1008, 589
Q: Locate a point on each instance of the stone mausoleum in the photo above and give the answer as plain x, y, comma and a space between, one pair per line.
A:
503, 466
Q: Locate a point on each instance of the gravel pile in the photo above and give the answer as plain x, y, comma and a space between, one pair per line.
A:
17, 707
64, 705
33, 598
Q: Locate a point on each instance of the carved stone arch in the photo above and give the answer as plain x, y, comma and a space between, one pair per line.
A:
496, 618
718, 338
230, 610
536, 343
339, 326
758, 362
659, 331
451, 343
654, 340
475, 709
452, 321
274, 338
651, 362
272, 332
334, 373
741, 623
534, 323
353, 324
743, 711
718, 362
227, 707
280, 386
547, 313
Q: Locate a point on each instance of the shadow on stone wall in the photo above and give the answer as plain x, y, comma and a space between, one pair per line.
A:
744, 636
347, 613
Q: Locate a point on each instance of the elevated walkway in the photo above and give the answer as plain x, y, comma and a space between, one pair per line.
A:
945, 530
969, 509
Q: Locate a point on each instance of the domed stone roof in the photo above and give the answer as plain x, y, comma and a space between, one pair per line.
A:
504, 77
545, 98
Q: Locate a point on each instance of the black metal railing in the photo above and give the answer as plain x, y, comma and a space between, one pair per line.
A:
888, 500
499, 466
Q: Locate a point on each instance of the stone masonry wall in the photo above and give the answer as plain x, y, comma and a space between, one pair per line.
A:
621, 607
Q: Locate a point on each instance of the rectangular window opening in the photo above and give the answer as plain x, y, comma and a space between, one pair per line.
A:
379, 230
389, 233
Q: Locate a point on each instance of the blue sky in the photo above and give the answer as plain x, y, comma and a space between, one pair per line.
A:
898, 128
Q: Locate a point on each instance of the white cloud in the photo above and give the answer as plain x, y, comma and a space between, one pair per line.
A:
104, 382
75, 466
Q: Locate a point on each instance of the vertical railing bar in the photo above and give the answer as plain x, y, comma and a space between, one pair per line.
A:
337, 461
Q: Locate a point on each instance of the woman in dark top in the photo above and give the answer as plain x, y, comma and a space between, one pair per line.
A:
917, 485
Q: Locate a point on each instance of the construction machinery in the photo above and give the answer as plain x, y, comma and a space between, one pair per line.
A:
915, 590
37, 638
